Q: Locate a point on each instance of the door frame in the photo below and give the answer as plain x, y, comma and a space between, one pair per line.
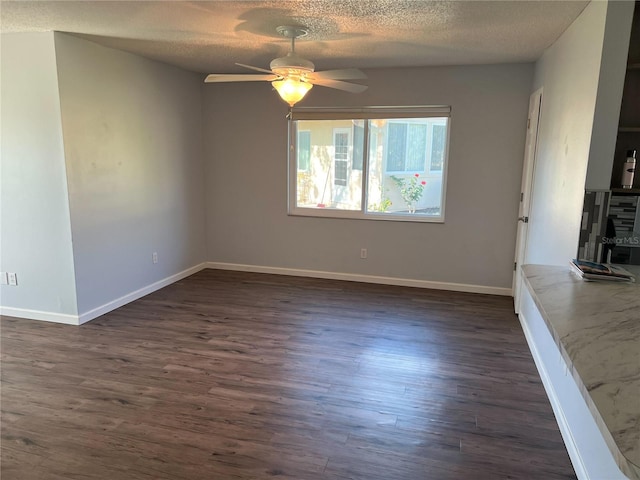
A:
526, 190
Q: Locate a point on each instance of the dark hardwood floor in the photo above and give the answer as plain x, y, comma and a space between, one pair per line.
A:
228, 375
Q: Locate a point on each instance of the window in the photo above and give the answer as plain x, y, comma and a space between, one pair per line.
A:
384, 163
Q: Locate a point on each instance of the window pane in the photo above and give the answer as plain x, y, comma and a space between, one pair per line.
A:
304, 150
411, 190
328, 183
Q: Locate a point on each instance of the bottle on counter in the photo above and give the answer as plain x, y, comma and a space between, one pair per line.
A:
629, 169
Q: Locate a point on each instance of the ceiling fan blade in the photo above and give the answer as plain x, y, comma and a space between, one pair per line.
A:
347, 87
343, 74
257, 69
239, 77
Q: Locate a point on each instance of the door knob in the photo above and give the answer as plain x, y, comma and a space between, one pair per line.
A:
523, 219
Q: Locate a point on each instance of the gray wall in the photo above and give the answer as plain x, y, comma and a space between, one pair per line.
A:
133, 144
609, 97
568, 72
246, 161
35, 230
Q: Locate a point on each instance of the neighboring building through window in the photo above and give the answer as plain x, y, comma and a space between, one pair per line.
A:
358, 145
386, 163
438, 144
407, 142
341, 147
304, 150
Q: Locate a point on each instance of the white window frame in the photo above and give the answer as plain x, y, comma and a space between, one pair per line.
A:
366, 113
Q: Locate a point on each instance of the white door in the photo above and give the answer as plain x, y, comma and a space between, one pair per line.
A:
535, 102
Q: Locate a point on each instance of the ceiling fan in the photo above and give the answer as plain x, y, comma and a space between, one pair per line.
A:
293, 76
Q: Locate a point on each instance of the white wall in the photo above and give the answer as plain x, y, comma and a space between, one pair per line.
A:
35, 226
609, 97
133, 145
246, 154
568, 72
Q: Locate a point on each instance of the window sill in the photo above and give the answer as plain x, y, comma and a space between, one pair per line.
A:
357, 215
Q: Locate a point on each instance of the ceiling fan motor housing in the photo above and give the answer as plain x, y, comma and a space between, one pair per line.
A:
290, 64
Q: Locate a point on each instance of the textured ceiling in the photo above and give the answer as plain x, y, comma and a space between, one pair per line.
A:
210, 36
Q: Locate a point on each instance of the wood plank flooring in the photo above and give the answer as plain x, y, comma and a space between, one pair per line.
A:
229, 375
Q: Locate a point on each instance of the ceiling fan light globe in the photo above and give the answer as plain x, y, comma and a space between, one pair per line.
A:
291, 90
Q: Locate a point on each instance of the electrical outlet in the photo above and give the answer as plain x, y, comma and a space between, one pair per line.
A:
3, 278
363, 253
13, 279
154, 257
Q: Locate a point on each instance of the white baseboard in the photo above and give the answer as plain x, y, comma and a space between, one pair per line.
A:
39, 315
141, 292
102, 309
354, 277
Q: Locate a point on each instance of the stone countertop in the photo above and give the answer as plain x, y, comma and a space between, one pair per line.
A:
596, 326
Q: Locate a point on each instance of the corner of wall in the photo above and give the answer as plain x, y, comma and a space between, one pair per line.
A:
36, 229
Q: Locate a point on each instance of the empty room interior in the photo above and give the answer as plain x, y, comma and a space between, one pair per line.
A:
319, 240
